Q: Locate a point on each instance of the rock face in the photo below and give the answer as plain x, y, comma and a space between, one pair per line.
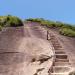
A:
24, 53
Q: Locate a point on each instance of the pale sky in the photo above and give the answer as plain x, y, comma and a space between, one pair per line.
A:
57, 10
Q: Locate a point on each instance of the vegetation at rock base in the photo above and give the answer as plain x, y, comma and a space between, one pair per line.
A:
67, 32
10, 21
64, 28
0, 28
13, 21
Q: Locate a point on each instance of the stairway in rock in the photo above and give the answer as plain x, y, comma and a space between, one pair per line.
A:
61, 65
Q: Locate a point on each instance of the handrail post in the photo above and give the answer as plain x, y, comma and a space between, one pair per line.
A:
47, 34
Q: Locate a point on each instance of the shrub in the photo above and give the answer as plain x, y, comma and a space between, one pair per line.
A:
67, 32
34, 20
64, 28
10, 21
13, 21
0, 28
47, 23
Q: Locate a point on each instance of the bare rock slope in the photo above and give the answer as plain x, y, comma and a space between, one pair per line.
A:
25, 51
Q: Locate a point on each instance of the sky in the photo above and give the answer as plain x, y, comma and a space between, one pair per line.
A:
56, 10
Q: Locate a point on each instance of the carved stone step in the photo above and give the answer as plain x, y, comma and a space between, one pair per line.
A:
61, 56
59, 52
60, 69
59, 46
61, 60
58, 74
54, 41
56, 48
62, 64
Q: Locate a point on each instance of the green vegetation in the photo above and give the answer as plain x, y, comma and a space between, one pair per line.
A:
0, 28
64, 29
67, 32
10, 21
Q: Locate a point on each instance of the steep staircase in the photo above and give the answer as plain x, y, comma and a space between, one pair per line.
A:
61, 65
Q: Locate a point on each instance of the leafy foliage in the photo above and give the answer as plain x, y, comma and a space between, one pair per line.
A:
34, 20
67, 32
13, 21
10, 21
64, 29
0, 28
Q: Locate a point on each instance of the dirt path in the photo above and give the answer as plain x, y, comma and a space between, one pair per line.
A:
25, 51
